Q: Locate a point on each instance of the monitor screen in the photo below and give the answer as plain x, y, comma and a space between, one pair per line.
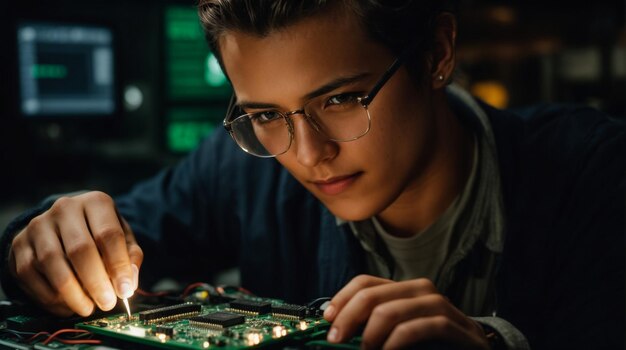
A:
187, 126
65, 70
193, 72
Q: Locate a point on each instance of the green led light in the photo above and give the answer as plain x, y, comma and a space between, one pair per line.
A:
49, 71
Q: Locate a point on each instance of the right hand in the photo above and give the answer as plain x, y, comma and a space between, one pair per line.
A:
77, 255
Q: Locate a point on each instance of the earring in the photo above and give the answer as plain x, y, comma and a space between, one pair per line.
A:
440, 77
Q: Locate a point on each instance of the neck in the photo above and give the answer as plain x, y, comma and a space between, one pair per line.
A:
440, 181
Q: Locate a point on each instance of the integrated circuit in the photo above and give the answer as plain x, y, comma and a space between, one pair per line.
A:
170, 312
165, 329
250, 307
217, 320
289, 311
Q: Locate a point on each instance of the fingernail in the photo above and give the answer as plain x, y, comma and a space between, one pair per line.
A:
87, 310
108, 299
333, 335
329, 313
135, 275
126, 290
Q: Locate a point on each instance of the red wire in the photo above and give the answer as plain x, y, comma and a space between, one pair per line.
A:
37, 335
242, 289
62, 331
151, 294
191, 287
221, 290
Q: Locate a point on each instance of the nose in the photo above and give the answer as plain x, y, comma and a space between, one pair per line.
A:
312, 147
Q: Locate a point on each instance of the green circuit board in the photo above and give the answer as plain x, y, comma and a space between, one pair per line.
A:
240, 324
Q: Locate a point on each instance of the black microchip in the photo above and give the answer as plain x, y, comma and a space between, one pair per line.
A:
259, 307
224, 319
167, 330
298, 311
169, 311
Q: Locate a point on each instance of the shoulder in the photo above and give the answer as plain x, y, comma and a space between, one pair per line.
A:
565, 127
558, 138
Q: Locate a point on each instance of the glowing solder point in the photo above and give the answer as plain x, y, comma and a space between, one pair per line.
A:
125, 301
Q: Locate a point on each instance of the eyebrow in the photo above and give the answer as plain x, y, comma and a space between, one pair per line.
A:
326, 88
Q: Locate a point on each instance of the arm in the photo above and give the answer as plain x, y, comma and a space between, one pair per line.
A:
89, 234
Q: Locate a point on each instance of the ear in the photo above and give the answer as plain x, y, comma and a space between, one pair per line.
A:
443, 57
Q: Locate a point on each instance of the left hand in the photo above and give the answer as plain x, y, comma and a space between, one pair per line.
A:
399, 314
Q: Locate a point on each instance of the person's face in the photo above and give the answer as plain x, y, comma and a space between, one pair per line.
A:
356, 179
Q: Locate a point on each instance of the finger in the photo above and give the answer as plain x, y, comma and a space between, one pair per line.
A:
110, 239
61, 278
29, 279
359, 308
386, 316
85, 259
423, 329
348, 291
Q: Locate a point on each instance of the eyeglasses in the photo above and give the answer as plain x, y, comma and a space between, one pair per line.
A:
341, 118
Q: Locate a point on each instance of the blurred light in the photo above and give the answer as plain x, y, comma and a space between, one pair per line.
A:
492, 92
502, 15
137, 331
581, 64
133, 98
254, 338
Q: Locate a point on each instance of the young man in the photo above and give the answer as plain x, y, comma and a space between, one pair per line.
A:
425, 213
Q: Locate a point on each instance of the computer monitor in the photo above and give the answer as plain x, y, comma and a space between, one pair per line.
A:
196, 90
66, 70
192, 70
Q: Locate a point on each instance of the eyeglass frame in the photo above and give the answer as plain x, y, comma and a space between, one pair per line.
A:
365, 101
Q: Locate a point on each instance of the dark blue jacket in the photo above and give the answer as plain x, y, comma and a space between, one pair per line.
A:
561, 277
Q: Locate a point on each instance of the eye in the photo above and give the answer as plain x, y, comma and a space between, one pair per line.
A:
343, 99
265, 116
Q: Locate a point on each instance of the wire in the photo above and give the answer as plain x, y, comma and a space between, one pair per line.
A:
152, 294
37, 335
318, 302
18, 334
205, 286
222, 289
70, 341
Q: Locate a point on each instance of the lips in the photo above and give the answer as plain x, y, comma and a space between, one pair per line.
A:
336, 185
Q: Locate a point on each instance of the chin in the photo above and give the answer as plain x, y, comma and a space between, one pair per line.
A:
351, 210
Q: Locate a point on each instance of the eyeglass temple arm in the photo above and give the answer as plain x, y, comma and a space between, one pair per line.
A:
229, 112
388, 73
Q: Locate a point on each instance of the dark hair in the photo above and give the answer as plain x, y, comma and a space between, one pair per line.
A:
396, 24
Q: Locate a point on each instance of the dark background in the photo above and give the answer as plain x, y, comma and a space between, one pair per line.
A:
512, 53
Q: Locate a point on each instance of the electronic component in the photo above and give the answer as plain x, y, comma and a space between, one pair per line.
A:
217, 320
165, 329
289, 311
251, 306
170, 312
213, 325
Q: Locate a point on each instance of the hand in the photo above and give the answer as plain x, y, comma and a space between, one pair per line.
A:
77, 253
398, 315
